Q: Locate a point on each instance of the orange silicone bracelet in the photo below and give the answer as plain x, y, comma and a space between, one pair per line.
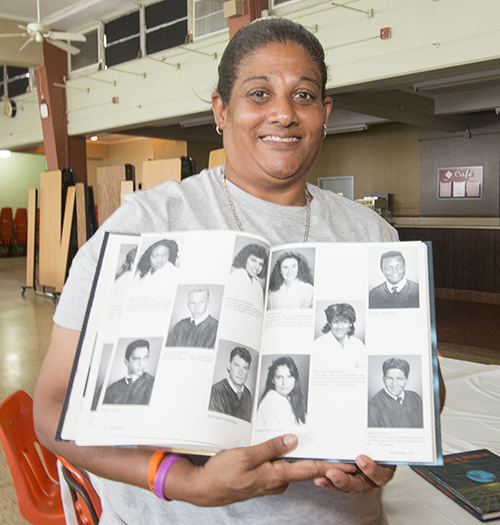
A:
154, 463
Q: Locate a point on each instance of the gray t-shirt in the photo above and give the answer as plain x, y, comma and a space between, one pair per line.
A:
199, 203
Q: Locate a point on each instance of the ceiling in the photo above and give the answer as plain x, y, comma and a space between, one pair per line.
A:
62, 15
440, 100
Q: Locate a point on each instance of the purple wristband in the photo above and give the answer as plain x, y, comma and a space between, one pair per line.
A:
162, 473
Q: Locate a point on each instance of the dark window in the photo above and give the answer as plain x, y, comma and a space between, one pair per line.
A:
122, 27
166, 37
89, 51
18, 87
2, 86
17, 81
166, 25
123, 52
165, 12
13, 72
122, 40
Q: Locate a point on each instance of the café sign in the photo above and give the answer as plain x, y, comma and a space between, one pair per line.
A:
464, 182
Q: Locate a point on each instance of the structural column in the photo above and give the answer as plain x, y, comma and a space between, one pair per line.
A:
253, 9
61, 151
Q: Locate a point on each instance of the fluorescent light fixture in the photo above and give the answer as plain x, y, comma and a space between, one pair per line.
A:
457, 80
346, 129
4, 154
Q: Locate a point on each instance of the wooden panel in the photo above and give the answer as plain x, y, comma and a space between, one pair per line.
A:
31, 244
81, 214
50, 226
217, 157
65, 239
464, 259
127, 186
108, 192
155, 172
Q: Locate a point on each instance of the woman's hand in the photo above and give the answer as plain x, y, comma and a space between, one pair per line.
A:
240, 474
362, 477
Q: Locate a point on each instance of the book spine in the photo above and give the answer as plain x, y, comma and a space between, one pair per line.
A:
449, 491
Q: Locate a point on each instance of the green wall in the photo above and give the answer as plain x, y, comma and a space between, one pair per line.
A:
18, 173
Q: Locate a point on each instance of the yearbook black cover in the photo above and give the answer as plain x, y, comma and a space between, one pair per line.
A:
471, 479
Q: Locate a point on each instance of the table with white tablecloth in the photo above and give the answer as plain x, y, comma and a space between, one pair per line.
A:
469, 421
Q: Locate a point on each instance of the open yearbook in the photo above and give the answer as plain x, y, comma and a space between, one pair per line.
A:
202, 341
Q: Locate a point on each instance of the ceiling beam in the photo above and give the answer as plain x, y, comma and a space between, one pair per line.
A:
399, 106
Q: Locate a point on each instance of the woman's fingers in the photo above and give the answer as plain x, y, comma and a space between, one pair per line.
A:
271, 449
368, 476
378, 474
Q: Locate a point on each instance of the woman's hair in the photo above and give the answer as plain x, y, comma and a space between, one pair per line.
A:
342, 311
240, 261
143, 266
258, 34
304, 274
127, 263
295, 397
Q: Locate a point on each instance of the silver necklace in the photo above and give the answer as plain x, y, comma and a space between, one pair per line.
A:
237, 219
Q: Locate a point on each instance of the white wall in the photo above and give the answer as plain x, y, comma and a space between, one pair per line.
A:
25, 129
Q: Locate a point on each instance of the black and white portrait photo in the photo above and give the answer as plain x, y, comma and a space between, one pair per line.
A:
194, 321
291, 283
132, 375
156, 274
283, 391
397, 289
234, 381
248, 271
398, 401
341, 326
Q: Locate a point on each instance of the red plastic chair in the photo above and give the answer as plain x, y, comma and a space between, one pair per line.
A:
33, 467
34, 470
6, 227
86, 501
21, 224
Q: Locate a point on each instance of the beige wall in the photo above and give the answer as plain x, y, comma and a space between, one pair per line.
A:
169, 149
385, 158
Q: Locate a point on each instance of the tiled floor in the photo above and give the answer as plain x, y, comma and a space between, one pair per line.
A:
25, 326
465, 331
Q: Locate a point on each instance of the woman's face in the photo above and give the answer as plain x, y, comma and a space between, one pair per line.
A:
289, 269
273, 123
158, 257
340, 327
283, 381
254, 265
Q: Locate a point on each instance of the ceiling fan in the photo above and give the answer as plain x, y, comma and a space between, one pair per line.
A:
38, 32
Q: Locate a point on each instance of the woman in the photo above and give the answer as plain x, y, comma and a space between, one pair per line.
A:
282, 405
250, 267
156, 273
338, 332
271, 107
290, 284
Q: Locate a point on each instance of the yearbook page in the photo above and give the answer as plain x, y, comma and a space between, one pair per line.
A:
101, 323
220, 342
192, 298
347, 363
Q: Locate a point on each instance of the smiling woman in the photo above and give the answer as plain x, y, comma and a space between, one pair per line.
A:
271, 107
273, 122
